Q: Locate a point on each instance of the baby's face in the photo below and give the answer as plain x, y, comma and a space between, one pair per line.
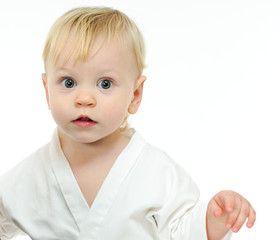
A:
89, 100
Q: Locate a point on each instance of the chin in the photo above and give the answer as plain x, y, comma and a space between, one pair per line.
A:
85, 139
78, 137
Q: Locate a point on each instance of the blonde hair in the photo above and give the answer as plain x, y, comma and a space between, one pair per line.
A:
88, 23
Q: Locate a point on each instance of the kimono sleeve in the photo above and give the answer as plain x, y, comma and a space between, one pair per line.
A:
181, 215
8, 229
196, 219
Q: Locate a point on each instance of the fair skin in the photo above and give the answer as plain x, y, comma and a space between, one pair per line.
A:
89, 101
228, 210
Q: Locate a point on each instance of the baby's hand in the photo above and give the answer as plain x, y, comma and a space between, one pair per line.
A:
230, 209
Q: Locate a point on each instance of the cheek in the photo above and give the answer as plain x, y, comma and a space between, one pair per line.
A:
116, 111
58, 108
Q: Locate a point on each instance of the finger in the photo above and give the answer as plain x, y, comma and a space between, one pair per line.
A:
233, 210
241, 218
215, 209
226, 200
229, 203
252, 218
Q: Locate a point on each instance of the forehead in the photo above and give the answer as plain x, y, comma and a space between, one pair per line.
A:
104, 54
87, 24
78, 48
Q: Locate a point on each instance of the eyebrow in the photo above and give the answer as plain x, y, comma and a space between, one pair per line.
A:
63, 69
112, 73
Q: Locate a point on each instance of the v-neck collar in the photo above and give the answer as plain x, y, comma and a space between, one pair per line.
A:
90, 218
67, 182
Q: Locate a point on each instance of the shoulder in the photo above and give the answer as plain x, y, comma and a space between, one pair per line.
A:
17, 186
25, 171
156, 158
33, 165
158, 167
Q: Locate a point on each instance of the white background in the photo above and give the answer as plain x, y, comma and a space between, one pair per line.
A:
211, 99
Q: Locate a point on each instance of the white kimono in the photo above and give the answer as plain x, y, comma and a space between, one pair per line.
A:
146, 196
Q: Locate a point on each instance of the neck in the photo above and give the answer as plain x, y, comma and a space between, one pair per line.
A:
107, 148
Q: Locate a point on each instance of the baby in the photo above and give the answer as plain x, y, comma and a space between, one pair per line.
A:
98, 179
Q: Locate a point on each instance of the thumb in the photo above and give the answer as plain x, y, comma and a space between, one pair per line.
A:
215, 209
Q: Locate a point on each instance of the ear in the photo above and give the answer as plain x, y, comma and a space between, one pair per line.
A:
137, 95
44, 79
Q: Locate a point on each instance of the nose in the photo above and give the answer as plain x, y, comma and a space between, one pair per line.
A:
85, 99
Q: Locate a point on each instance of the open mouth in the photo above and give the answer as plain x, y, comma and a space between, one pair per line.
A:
84, 119
84, 122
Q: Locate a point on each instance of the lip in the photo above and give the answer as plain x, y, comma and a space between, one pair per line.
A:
84, 121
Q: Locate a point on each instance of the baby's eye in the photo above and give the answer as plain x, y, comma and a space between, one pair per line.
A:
69, 83
105, 84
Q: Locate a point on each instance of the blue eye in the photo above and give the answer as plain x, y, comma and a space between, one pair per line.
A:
105, 84
69, 83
